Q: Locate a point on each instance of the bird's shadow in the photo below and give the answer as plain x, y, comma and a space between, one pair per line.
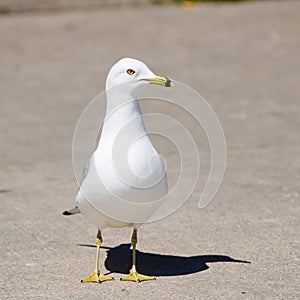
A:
119, 261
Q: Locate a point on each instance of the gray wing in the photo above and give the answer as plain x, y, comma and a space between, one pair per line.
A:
86, 169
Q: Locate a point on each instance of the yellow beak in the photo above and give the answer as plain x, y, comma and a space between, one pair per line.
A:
160, 80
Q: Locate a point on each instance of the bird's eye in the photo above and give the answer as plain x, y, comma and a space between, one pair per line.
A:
130, 72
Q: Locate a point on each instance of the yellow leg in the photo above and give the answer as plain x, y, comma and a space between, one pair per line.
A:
96, 276
133, 274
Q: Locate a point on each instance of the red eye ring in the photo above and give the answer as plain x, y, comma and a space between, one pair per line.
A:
130, 72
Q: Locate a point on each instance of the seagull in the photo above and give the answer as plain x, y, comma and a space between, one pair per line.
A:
124, 180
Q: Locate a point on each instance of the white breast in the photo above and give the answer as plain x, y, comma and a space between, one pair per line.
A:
126, 181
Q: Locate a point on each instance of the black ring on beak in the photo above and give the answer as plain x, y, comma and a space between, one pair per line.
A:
168, 82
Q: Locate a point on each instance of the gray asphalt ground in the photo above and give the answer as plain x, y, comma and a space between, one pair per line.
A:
244, 59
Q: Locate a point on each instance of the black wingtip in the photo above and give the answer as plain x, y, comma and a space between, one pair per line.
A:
66, 213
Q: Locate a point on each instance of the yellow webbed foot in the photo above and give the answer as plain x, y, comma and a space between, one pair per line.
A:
97, 277
135, 276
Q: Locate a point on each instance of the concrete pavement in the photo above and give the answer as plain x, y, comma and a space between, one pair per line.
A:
244, 59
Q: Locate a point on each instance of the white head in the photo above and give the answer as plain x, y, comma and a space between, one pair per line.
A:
133, 73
